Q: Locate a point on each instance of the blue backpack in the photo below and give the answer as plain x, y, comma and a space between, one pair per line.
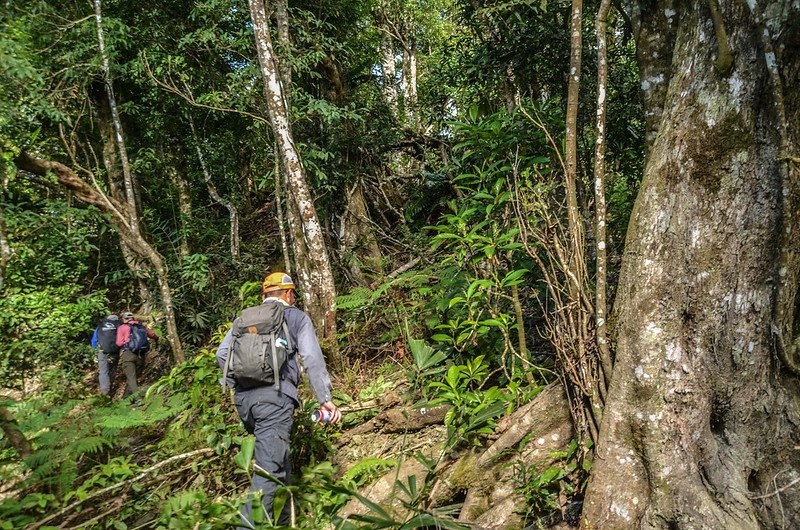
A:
138, 342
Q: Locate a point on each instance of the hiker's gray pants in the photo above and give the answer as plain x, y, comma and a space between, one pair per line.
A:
132, 364
268, 414
107, 369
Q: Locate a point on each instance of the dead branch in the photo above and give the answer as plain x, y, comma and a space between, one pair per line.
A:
118, 485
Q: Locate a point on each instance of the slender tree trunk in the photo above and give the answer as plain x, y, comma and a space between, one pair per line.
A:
130, 190
110, 163
317, 283
284, 49
601, 320
587, 392
389, 73
185, 208
233, 212
575, 222
510, 90
410, 84
702, 418
287, 262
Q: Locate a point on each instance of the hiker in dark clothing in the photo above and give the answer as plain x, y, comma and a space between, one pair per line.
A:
133, 339
105, 341
267, 409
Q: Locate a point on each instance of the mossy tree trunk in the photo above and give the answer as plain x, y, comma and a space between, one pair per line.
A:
701, 424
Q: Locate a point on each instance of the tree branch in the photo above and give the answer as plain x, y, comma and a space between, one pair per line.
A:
187, 95
118, 485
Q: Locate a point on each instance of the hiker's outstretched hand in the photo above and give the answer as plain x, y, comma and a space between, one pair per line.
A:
336, 414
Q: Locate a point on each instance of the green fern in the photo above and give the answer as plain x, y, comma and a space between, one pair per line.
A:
358, 297
157, 410
367, 469
92, 444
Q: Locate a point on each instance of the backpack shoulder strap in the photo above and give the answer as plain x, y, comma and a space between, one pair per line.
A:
288, 336
276, 370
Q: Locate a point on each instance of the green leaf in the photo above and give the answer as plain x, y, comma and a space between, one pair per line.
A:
245, 456
513, 276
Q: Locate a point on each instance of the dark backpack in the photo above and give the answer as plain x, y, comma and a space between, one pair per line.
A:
107, 335
261, 346
138, 342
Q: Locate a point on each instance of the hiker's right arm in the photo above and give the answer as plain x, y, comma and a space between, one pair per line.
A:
313, 360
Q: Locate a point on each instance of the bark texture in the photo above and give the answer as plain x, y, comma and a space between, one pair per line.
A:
185, 207
316, 281
702, 424
410, 84
389, 73
360, 248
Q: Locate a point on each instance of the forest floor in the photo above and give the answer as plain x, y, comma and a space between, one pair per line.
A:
413, 458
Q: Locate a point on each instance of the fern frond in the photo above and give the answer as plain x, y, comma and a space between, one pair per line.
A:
126, 418
90, 444
358, 297
368, 468
40, 457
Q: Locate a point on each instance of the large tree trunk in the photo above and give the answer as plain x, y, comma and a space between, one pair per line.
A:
359, 246
702, 424
316, 282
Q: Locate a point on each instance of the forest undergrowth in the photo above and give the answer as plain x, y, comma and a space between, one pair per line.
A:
178, 456
459, 332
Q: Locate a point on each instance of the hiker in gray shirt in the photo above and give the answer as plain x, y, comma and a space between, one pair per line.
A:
267, 409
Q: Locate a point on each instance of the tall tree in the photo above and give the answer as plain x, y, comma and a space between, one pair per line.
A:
131, 206
702, 421
116, 187
316, 281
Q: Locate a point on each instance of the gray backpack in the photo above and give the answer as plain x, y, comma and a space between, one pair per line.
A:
261, 346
